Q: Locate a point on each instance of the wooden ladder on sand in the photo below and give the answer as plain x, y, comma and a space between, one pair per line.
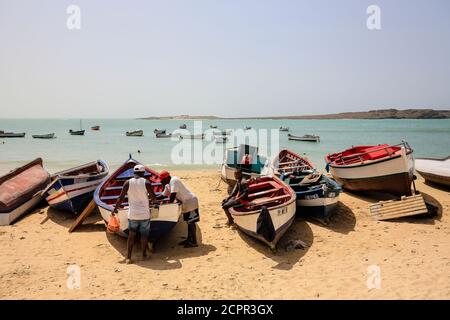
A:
405, 207
86, 212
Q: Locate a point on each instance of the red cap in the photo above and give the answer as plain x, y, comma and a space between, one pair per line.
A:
164, 174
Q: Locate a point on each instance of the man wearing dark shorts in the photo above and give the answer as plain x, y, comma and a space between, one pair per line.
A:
238, 196
175, 188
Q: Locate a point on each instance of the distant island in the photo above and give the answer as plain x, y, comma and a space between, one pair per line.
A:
372, 114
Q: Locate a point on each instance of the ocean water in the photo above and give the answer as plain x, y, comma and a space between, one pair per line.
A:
428, 138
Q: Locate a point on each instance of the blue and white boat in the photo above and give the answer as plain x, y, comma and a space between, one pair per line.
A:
317, 194
72, 190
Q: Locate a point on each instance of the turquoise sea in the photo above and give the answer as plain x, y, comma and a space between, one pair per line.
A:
428, 138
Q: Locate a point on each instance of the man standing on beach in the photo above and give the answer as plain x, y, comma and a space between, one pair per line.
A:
174, 188
238, 196
139, 190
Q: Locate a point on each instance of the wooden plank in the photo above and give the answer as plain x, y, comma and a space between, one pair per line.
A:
86, 212
407, 206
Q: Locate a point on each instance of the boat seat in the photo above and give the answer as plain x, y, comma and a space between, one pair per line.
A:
266, 200
257, 194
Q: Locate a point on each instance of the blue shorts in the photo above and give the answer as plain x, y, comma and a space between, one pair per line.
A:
143, 226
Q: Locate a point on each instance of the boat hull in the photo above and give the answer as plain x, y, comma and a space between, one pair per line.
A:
7, 218
320, 208
44, 136
434, 178
392, 175
282, 218
12, 135
434, 170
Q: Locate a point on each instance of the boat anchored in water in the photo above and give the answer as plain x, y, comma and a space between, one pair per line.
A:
11, 134
72, 190
306, 137
158, 131
44, 136
284, 128
95, 128
135, 133
163, 218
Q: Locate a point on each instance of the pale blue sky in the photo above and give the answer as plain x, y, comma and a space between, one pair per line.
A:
221, 57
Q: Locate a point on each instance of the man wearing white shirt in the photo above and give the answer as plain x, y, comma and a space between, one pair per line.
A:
174, 188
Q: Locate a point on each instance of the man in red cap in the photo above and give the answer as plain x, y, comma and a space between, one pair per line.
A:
174, 188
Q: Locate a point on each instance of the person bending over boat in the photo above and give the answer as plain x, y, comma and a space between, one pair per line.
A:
238, 196
176, 190
139, 191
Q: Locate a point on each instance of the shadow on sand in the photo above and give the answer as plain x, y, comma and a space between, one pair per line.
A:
167, 253
285, 260
65, 219
342, 220
437, 186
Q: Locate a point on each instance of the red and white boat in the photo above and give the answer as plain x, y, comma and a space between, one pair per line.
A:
381, 168
20, 191
269, 211
288, 162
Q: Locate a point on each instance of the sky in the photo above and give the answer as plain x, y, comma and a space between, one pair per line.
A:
221, 57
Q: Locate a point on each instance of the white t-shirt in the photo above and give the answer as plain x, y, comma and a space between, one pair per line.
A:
186, 197
138, 202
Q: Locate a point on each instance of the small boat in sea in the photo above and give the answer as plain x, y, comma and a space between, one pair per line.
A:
287, 162
44, 136
183, 126
381, 168
163, 218
221, 139
434, 170
247, 128
306, 137
77, 132
245, 158
317, 194
213, 126
95, 128
11, 134
156, 131
72, 190
269, 211
192, 136
222, 133
20, 191
163, 135
135, 133
284, 128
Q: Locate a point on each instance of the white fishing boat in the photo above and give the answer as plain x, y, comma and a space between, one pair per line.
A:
434, 170
269, 211
382, 168
306, 137
288, 161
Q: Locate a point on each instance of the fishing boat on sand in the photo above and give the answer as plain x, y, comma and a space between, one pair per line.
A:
287, 162
163, 218
72, 190
381, 168
269, 211
20, 191
245, 158
434, 170
156, 131
135, 133
95, 128
44, 136
306, 137
11, 134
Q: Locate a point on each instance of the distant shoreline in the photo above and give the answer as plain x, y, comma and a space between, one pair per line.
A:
366, 115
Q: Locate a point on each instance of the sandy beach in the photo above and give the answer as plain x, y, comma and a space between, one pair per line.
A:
413, 255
